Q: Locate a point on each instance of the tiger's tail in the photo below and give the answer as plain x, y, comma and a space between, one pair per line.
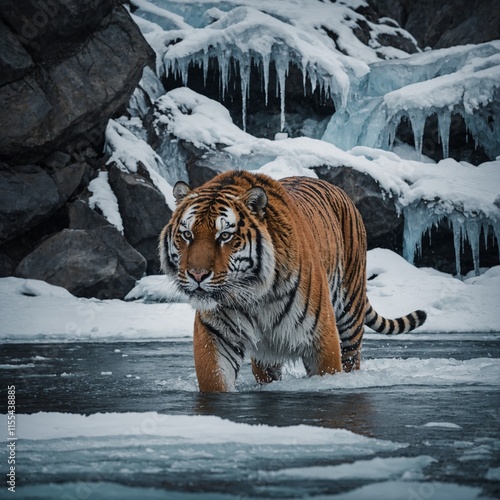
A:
404, 324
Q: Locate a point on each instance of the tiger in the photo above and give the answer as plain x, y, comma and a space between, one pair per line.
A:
275, 269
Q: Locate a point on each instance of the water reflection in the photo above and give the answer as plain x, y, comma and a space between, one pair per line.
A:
354, 412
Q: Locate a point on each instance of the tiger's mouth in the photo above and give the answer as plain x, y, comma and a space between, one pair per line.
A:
202, 299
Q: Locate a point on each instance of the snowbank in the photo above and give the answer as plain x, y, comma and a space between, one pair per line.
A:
34, 311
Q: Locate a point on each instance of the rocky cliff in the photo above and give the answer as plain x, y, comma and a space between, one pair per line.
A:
66, 67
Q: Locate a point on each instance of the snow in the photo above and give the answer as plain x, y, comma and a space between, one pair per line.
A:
128, 150
33, 311
443, 425
459, 80
181, 429
396, 490
153, 310
105, 200
376, 468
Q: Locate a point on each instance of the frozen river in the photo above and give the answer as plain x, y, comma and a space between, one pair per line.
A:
420, 420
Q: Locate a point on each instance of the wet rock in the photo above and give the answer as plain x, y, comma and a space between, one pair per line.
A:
88, 262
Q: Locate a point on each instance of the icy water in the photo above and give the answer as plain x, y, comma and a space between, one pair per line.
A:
420, 420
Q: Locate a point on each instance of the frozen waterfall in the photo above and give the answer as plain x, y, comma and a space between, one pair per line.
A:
244, 37
462, 81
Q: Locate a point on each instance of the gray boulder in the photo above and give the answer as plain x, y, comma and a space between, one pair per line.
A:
143, 210
29, 194
88, 262
71, 66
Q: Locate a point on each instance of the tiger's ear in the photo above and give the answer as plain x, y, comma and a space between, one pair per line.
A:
256, 200
181, 189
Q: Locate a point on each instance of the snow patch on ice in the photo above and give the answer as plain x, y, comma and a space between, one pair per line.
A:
182, 429
443, 425
376, 468
396, 490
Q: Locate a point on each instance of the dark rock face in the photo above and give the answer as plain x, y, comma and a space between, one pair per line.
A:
66, 66
30, 194
444, 24
384, 226
87, 262
74, 64
143, 210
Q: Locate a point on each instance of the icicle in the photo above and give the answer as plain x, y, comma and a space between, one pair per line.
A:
496, 231
281, 60
204, 64
444, 122
473, 231
457, 224
265, 71
418, 219
183, 68
245, 81
417, 119
304, 78
223, 61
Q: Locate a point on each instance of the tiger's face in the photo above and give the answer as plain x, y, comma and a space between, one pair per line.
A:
217, 247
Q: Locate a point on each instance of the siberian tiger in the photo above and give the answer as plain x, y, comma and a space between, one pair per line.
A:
276, 269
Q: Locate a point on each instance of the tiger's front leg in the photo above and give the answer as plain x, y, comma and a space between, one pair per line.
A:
217, 360
325, 358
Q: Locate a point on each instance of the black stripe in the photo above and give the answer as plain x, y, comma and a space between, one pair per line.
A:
318, 312
392, 327
351, 347
306, 300
351, 337
291, 299
401, 325
238, 350
412, 320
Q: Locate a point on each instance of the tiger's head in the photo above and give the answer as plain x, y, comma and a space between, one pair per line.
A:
217, 247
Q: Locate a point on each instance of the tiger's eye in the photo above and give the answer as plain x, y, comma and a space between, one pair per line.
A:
225, 236
187, 235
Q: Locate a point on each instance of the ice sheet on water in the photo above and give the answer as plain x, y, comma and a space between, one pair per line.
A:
171, 448
383, 372
396, 490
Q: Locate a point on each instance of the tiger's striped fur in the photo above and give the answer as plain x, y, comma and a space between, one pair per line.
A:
276, 269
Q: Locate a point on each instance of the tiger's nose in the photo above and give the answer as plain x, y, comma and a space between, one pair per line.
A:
198, 275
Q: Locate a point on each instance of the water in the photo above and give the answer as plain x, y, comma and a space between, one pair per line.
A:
431, 400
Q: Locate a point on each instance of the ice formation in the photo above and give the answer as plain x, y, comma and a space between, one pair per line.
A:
461, 80
373, 88
419, 219
319, 40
